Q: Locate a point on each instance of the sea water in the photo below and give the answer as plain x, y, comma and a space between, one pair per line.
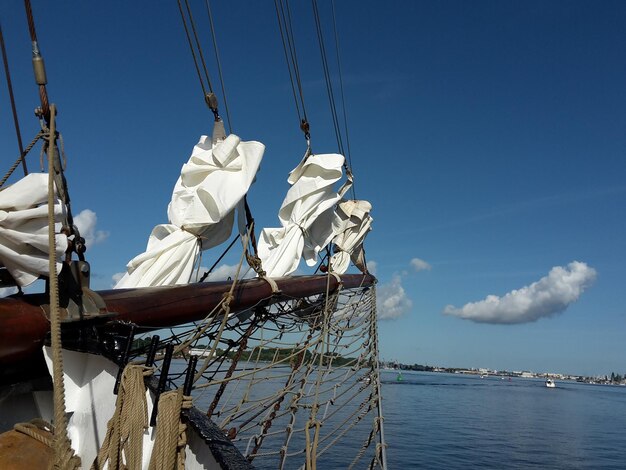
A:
454, 421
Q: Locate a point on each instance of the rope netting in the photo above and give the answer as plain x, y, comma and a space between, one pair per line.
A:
293, 383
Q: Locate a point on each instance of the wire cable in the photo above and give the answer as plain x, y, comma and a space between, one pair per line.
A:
343, 100
16, 121
219, 66
329, 87
283, 14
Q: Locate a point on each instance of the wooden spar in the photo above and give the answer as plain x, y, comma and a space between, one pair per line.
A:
23, 324
168, 306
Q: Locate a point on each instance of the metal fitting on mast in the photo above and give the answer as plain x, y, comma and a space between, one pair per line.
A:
211, 101
38, 66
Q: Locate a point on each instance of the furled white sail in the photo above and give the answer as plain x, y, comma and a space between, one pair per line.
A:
306, 215
353, 223
24, 229
211, 185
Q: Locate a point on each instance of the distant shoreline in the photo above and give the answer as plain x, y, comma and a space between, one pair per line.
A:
613, 379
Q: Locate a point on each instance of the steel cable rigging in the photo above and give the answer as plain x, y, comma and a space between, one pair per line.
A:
344, 150
343, 100
16, 121
283, 14
199, 61
284, 17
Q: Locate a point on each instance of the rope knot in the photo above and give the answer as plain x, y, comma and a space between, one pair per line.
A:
226, 300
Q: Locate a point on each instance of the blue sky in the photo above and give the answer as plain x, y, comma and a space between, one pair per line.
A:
489, 137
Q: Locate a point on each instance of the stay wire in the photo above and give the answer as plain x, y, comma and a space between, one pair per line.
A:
197, 40
191, 48
291, 73
16, 121
43, 93
343, 101
329, 87
292, 42
219, 66
283, 14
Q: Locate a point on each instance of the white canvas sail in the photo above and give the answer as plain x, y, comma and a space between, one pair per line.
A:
306, 215
353, 224
201, 213
24, 229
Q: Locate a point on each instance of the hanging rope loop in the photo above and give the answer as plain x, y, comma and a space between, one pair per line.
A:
171, 436
63, 452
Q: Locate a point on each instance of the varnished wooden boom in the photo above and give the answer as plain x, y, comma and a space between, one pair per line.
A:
23, 324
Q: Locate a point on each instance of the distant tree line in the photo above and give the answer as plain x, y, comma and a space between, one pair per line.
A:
271, 355
417, 367
279, 354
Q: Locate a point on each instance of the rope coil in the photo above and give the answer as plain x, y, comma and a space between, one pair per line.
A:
171, 439
123, 444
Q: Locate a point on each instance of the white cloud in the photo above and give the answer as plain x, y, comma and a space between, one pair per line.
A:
86, 222
116, 278
225, 271
391, 299
371, 267
550, 295
420, 265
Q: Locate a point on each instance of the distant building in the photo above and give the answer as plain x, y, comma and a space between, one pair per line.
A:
202, 352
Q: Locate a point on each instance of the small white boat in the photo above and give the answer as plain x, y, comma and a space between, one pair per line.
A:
550, 383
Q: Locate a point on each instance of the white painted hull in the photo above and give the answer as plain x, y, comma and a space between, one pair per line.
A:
90, 403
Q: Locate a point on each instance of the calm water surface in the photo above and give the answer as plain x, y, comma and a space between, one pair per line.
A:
450, 421
453, 421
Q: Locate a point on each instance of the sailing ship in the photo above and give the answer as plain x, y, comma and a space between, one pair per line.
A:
276, 370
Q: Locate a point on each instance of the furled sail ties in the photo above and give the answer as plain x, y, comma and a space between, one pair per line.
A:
211, 187
24, 249
23, 229
305, 215
355, 222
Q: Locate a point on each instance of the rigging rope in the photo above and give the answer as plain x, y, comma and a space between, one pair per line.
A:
197, 40
193, 51
45, 116
297, 367
63, 453
8, 174
38, 65
16, 121
219, 65
343, 101
209, 97
123, 444
329, 87
171, 439
200, 63
330, 90
291, 58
